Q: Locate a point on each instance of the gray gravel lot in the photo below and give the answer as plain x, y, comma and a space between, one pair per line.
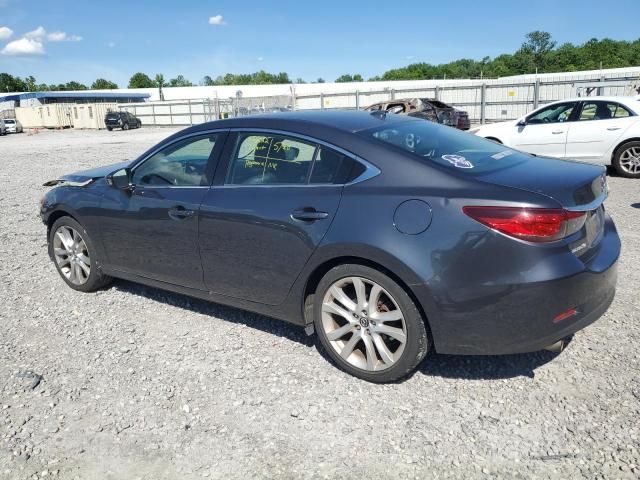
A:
134, 382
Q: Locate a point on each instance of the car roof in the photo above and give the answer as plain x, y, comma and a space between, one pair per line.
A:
345, 120
605, 98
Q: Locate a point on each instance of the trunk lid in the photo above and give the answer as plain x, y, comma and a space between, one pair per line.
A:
574, 185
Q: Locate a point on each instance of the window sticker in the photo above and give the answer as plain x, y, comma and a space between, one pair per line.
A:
458, 161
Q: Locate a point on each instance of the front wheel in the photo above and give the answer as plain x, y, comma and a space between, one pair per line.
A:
125, 126
626, 160
368, 324
73, 253
109, 128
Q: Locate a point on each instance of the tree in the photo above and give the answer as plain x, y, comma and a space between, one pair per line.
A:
180, 81
320, 80
349, 78
207, 81
538, 45
9, 83
141, 80
160, 83
102, 84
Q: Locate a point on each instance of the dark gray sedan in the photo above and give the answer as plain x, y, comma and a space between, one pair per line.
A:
390, 237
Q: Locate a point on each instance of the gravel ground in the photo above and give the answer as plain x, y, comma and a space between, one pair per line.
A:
134, 382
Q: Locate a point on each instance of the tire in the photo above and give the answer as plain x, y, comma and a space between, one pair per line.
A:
125, 126
139, 124
69, 248
109, 128
626, 160
357, 340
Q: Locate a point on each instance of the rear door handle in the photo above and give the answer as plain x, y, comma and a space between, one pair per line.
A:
308, 215
611, 129
557, 132
180, 213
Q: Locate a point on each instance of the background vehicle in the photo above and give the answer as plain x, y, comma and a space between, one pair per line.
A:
427, 109
123, 120
387, 235
12, 125
601, 130
3, 128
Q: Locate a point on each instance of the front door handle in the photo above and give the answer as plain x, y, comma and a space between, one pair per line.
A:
611, 129
180, 213
557, 132
308, 214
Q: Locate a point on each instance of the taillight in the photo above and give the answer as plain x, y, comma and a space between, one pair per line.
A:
531, 224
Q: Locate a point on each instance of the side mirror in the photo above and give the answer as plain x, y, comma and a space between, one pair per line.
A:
522, 122
120, 179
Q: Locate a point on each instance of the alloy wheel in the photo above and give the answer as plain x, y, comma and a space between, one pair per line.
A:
363, 323
71, 255
630, 160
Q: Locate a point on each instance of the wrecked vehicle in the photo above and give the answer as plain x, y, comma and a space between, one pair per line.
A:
427, 109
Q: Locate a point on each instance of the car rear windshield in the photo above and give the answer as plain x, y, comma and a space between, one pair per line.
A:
447, 146
113, 115
437, 103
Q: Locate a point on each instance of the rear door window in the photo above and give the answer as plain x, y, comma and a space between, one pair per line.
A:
262, 159
603, 111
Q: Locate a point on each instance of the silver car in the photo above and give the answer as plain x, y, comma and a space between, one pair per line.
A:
12, 125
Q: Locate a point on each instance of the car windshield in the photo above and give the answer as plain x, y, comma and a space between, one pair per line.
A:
447, 146
10, 121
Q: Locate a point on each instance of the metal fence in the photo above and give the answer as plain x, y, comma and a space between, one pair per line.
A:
485, 101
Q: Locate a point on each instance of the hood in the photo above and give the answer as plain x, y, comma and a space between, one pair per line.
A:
84, 177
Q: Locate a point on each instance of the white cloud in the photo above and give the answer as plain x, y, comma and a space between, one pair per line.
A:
111, 44
24, 47
5, 32
260, 59
217, 20
37, 34
62, 37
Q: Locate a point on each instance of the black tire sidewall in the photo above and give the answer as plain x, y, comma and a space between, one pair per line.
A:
618, 154
96, 278
417, 344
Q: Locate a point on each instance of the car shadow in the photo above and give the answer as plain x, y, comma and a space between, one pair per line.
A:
485, 367
228, 314
635, 205
464, 367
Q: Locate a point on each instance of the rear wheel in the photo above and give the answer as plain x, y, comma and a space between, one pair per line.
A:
74, 256
109, 128
626, 160
368, 324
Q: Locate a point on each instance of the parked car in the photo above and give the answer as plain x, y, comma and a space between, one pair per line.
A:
601, 130
427, 109
12, 125
123, 120
3, 128
388, 236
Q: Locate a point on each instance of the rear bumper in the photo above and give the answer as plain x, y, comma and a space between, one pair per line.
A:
519, 318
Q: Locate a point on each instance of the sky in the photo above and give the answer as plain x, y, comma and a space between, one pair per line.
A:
62, 40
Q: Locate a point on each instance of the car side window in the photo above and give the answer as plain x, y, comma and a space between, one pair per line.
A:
331, 167
181, 164
265, 159
603, 111
557, 113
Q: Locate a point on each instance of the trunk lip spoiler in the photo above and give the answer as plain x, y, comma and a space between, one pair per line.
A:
594, 204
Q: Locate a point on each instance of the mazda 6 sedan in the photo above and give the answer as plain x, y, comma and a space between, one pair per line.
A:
389, 237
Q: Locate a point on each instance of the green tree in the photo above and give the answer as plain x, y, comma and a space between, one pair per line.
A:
9, 83
160, 84
102, 84
538, 45
344, 78
207, 81
141, 80
179, 81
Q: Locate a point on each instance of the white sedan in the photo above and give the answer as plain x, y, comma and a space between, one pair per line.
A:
603, 130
